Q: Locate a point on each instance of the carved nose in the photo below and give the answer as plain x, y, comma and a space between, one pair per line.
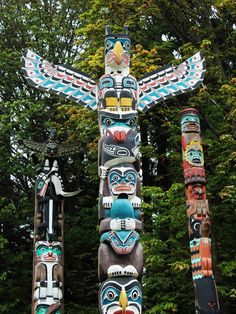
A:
120, 136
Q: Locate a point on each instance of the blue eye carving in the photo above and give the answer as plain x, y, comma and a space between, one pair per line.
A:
109, 44
115, 177
130, 177
127, 45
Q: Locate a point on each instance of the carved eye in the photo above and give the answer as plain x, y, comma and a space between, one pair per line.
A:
42, 248
132, 122
109, 44
115, 177
135, 294
110, 295
127, 45
108, 122
130, 177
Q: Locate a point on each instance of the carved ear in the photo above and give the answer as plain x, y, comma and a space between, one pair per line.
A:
107, 30
126, 30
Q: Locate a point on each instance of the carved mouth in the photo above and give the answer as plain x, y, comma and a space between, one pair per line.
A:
124, 188
49, 259
126, 312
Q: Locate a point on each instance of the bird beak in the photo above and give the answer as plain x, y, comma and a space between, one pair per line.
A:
118, 51
123, 301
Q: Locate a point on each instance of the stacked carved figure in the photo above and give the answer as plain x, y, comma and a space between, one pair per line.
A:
117, 96
198, 213
47, 294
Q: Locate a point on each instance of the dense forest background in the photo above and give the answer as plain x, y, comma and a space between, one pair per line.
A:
163, 32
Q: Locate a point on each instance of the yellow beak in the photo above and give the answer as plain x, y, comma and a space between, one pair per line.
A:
118, 51
123, 301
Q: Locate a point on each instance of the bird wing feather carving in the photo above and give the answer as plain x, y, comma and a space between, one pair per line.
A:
61, 80
170, 81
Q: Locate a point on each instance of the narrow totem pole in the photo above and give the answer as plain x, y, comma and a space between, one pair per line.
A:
48, 258
118, 96
198, 213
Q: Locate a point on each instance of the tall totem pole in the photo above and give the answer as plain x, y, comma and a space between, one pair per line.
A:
117, 97
48, 258
198, 213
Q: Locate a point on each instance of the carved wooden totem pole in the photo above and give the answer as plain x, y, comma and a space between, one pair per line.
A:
48, 261
198, 213
118, 96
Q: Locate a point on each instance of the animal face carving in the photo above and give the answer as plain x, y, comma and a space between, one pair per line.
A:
118, 94
122, 242
117, 51
117, 128
120, 295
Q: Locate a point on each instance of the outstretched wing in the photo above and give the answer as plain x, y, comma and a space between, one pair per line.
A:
168, 82
33, 146
64, 81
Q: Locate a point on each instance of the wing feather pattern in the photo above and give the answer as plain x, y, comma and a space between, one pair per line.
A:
61, 80
168, 82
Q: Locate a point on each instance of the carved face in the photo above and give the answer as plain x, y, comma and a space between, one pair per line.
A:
194, 154
120, 295
122, 180
117, 52
118, 95
51, 149
48, 251
190, 123
117, 128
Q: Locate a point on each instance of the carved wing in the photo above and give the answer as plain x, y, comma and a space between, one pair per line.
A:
33, 146
168, 82
62, 80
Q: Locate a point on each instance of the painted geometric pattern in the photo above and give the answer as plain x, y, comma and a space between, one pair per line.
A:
61, 80
168, 82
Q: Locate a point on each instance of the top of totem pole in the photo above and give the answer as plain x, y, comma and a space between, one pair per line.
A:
187, 111
117, 52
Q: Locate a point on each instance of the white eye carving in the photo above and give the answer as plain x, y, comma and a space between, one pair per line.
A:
111, 295
135, 294
127, 45
108, 121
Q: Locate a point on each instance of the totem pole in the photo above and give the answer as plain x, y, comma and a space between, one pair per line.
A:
48, 261
198, 213
118, 96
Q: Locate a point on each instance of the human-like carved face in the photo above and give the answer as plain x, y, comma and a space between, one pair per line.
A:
122, 180
194, 154
48, 251
190, 123
121, 295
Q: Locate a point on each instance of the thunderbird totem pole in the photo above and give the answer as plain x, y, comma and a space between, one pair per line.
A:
48, 261
117, 97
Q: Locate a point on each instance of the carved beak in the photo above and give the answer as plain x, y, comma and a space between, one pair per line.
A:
123, 301
118, 51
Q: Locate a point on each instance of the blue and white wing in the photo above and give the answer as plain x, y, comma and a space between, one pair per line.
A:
168, 82
61, 80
